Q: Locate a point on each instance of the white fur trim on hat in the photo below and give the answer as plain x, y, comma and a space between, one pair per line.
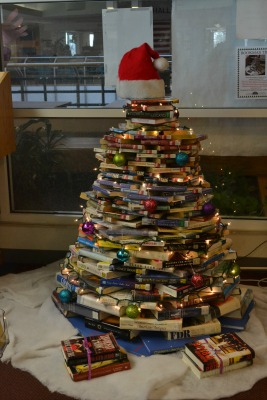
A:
141, 89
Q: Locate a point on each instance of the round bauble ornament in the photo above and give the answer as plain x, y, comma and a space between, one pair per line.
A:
123, 255
65, 296
132, 311
119, 159
197, 280
88, 227
208, 209
234, 270
150, 205
181, 159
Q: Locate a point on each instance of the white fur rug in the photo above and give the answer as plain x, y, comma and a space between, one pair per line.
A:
36, 328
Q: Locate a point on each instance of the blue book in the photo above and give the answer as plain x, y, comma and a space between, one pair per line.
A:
156, 343
237, 324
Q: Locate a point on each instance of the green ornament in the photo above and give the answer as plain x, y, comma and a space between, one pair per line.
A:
132, 311
119, 159
234, 270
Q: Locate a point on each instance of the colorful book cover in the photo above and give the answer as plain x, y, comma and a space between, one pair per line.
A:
101, 347
205, 374
218, 351
83, 372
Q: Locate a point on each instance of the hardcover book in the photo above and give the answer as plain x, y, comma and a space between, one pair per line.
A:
204, 374
84, 372
101, 347
218, 351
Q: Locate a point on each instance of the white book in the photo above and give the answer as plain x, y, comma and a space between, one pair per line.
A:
211, 327
150, 324
95, 269
92, 300
94, 255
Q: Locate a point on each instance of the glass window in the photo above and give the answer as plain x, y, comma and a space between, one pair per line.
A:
59, 57
60, 64
54, 162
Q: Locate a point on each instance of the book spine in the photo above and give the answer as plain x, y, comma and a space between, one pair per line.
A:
149, 297
228, 289
149, 114
182, 263
124, 284
61, 307
163, 199
125, 146
125, 268
157, 142
106, 327
107, 370
66, 284
182, 312
175, 291
160, 279
209, 328
167, 188
99, 271
86, 242
151, 325
94, 358
165, 222
94, 255
94, 302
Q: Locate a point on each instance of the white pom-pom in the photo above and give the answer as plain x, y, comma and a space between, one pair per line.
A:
161, 64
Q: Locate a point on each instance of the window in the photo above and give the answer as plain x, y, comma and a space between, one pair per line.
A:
57, 70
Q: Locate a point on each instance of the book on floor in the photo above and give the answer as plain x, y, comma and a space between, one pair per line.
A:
100, 368
101, 347
217, 371
218, 351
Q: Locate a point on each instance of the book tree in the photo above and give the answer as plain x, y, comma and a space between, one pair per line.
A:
152, 250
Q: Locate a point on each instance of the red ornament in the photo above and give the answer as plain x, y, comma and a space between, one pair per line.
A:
197, 280
150, 205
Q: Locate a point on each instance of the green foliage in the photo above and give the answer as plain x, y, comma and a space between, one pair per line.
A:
235, 194
37, 162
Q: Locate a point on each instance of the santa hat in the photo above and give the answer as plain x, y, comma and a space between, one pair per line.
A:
138, 76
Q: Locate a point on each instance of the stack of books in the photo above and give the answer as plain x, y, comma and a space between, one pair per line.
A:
151, 254
217, 354
93, 356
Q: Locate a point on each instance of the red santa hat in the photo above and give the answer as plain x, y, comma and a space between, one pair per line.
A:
138, 74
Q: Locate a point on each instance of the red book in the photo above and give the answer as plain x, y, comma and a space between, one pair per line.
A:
101, 368
93, 348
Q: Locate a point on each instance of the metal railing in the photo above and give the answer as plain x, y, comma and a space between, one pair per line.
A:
67, 79
75, 80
